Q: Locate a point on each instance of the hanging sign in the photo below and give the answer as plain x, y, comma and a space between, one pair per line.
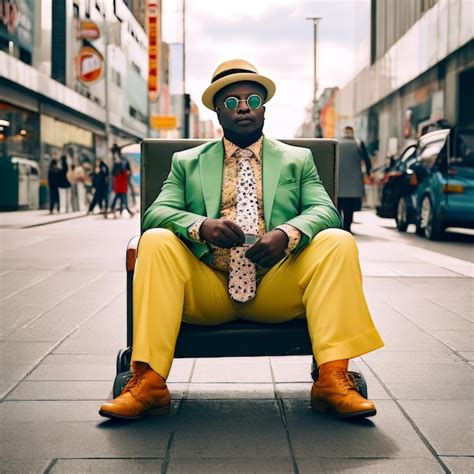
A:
87, 29
89, 65
153, 50
164, 122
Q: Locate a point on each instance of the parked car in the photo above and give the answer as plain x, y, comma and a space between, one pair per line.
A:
445, 196
395, 182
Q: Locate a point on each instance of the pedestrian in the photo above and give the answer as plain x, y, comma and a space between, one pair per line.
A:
53, 185
71, 176
120, 188
100, 184
79, 178
351, 181
194, 262
64, 185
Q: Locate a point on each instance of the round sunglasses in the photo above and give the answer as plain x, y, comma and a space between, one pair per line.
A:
254, 102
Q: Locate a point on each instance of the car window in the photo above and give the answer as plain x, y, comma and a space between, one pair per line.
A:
429, 152
464, 151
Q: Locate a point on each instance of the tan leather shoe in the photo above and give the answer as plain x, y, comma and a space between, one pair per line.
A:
335, 392
146, 393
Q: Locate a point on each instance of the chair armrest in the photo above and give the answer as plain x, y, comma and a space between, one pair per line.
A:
132, 251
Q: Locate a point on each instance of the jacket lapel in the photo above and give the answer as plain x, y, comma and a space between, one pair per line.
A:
211, 163
272, 159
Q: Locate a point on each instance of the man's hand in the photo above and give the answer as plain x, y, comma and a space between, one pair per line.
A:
222, 233
269, 249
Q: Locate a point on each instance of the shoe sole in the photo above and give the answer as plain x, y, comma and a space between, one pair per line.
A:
160, 411
326, 409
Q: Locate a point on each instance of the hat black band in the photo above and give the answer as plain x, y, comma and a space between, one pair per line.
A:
229, 72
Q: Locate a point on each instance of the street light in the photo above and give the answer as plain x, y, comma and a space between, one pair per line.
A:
315, 20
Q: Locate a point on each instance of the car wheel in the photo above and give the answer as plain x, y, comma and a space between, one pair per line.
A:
401, 216
429, 224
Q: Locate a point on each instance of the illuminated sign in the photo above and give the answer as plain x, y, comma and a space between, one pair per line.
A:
153, 50
89, 64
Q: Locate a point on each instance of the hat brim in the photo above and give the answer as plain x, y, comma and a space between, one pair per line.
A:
211, 91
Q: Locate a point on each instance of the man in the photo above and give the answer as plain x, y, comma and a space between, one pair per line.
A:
243, 229
351, 182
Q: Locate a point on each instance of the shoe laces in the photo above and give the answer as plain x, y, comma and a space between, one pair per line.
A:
344, 379
135, 381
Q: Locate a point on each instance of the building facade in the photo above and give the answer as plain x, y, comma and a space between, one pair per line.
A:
73, 80
420, 69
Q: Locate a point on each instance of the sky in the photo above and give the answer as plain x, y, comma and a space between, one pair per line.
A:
274, 36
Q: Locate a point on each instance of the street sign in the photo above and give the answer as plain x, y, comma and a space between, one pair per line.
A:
89, 65
87, 29
153, 24
163, 122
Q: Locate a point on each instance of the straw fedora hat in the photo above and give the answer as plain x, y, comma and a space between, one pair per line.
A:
230, 72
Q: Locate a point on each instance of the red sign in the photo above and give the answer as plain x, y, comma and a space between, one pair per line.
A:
87, 29
89, 64
153, 50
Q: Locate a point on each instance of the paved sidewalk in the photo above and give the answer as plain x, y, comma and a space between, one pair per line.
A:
63, 310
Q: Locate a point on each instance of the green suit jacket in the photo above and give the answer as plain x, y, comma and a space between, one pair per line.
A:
292, 192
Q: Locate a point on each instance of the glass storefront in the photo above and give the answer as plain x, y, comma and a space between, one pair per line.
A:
19, 132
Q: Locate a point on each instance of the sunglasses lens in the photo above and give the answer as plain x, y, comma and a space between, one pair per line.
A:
254, 101
231, 103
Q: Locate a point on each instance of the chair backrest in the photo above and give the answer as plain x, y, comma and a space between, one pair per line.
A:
156, 156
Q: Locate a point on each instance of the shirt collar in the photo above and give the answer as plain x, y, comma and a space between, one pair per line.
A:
256, 148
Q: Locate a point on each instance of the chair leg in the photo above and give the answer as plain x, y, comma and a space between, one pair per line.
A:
314, 370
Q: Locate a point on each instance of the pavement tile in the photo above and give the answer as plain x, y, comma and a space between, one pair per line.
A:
459, 465
64, 390
468, 355
180, 370
411, 357
414, 340
230, 429
427, 381
10, 375
106, 466
293, 390
178, 390
419, 270
23, 353
73, 439
73, 372
375, 389
93, 343
432, 317
386, 435
30, 466
459, 341
225, 391
287, 370
17, 280
77, 359
446, 423
229, 369
230, 466
72, 312
362, 466
24, 307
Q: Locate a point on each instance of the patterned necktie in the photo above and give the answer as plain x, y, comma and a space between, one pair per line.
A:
242, 272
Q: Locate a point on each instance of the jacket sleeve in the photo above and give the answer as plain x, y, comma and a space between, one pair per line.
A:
317, 211
168, 209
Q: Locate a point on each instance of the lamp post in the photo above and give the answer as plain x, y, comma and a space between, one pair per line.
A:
315, 20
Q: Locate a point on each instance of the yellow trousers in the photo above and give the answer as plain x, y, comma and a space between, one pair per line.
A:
323, 282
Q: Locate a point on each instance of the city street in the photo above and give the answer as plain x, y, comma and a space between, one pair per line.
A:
62, 294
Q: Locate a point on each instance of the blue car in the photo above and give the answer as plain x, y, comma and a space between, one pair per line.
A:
445, 195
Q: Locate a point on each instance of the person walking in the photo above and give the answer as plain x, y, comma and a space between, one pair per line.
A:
120, 188
100, 183
351, 180
244, 229
64, 185
53, 185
